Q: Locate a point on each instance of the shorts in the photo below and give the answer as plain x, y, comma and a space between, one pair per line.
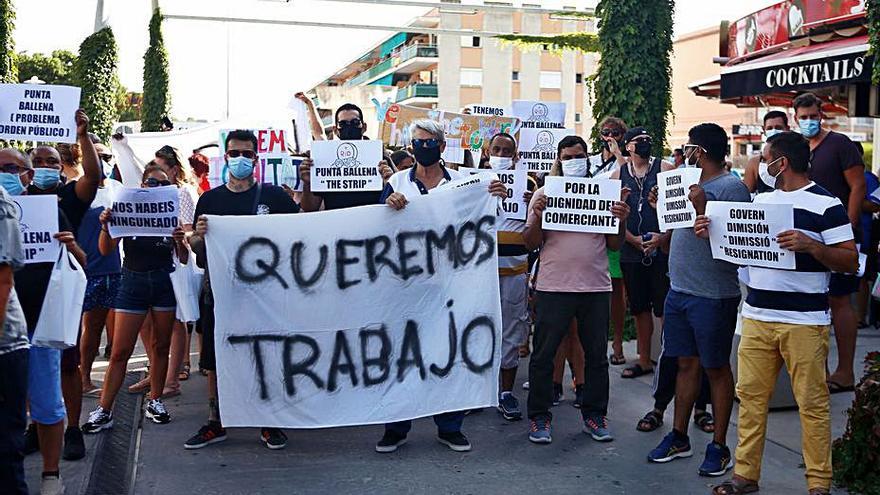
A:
843, 284
646, 286
208, 357
614, 263
101, 291
514, 318
141, 291
699, 326
44, 385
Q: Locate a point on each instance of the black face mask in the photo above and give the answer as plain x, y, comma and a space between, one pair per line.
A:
643, 149
427, 156
350, 132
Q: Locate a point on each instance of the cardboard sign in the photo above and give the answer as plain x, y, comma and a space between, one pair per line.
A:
674, 209
314, 349
38, 220
537, 148
346, 166
32, 112
745, 233
575, 204
540, 114
149, 211
276, 165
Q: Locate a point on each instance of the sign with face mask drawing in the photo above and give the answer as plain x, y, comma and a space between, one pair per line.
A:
346, 166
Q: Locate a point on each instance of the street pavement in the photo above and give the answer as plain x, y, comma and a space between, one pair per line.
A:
342, 460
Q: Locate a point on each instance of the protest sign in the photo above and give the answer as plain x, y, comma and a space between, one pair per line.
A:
674, 209
32, 112
38, 220
300, 359
468, 132
575, 204
496, 111
149, 211
514, 207
276, 165
346, 166
540, 114
745, 233
537, 148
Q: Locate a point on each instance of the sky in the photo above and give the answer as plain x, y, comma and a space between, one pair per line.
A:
266, 64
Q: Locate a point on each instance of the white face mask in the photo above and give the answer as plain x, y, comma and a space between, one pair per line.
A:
500, 162
764, 173
769, 133
576, 167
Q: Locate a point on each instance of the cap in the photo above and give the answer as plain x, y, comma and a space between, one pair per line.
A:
633, 132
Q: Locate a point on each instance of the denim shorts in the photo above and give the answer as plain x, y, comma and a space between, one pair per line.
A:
44, 385
101, 291
696, 326
141, 291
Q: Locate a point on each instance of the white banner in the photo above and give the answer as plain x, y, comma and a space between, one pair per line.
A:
745, 233
32, 112
149, 211
537, 148
674, 209
375, 316
38, 220
346, 166
575, 204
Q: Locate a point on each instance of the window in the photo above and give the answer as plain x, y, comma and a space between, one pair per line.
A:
577, 117
470, 41
550, 80
471, 77
514, 76
476, 42
545, 47
578, 78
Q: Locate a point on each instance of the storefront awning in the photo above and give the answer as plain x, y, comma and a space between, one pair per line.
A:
805, 68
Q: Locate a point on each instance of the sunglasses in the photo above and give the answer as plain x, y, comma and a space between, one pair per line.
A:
425, 143
154, 182
237, 153
611, 132
12, 168
350, 123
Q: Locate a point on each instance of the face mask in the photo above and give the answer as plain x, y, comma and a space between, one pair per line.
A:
765, 175
769, 133
107, 168
643, 149
46, 178
350, 132
576, 167
809, 127
241, 167
427, 156
11, 183
500, 162
689, 160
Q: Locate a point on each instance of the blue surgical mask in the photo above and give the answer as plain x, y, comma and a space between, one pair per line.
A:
12, 183
46, 178
241, 167
809, 127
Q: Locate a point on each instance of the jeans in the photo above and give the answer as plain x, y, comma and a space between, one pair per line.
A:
13, 420
555, 310
446, 423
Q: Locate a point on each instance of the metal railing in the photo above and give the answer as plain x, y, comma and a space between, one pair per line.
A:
416, 91
408, 53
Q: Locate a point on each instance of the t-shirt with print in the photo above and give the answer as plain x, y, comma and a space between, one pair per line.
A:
14, 335
834, 155
570, 261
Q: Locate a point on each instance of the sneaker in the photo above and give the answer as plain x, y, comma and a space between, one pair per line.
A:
274, 438
31, 440
390, 441
74, 446
717, 460
597, 427
558, 395
211, 433
156, 411
508, 406
671, 447
455, 441
99, 419
51, 485
578, 396
539, 430
526, 385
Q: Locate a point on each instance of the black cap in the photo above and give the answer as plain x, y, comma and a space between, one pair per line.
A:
633, 132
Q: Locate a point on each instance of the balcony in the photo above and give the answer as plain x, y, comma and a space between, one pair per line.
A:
417, 93
411, 59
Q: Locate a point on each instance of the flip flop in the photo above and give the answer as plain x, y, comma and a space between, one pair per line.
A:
733, 487
705, 421
636, 371
617, 360
836, 388
650, 422
92, 392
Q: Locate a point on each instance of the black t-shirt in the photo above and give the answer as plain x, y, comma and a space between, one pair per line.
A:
32, 281
222, 201
146, 254
68, 202
834, 155
338, 200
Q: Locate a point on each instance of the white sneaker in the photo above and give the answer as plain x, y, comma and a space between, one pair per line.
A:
51, 485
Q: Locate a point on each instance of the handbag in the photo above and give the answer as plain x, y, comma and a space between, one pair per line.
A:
59, 323
186, 279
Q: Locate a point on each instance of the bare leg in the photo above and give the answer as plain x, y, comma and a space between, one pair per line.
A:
721, 389
644, 330
187, 346
618, 314
862, 299
576, 355
72, 392
93, 324
124, 340
687, 387
507, 378
559, 360
163, 322
178, 349
843, 319
51, 438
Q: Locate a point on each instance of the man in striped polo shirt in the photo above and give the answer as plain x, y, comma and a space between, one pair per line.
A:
786, 317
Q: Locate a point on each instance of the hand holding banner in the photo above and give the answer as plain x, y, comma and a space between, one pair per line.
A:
38, 220
745, 233
346, 166
150, 211
674, 209
32, 112
575, 204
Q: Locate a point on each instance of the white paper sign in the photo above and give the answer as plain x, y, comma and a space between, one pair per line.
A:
575, 204
38, 220
745, 233
674, 209
537, 148
149, 211
540, 114
514, 206
495, 111
316, 346
346, 166
33, 112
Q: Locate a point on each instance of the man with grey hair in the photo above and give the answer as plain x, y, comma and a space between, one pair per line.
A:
428, 143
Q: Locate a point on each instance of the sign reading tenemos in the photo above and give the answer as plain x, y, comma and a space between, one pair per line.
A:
300, 359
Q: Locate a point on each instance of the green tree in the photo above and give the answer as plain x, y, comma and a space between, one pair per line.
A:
633, 80
157, 101
873, 13
95, 73
56, 68
8, 73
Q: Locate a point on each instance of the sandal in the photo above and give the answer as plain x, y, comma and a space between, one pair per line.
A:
183, 375
836, 388
734, 487
617, 359
636, 371
650, 422
140, 387
705, 421
819, 491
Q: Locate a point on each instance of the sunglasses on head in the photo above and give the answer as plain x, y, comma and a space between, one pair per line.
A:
245, 153
154, 182
611, 132
350, 123
425, 143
